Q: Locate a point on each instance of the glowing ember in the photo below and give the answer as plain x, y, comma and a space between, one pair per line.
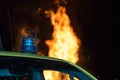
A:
64, 43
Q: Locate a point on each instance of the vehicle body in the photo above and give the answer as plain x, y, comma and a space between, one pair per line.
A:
15, 64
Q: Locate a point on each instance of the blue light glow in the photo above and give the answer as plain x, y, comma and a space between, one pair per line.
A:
28, 45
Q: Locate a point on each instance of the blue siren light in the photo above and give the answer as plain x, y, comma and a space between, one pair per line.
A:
29, 43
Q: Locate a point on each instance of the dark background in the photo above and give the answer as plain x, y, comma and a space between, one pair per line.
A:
92, 21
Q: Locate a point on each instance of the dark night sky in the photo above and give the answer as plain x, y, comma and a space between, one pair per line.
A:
93, 17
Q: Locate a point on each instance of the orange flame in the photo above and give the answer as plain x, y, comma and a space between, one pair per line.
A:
64, 43
23, 32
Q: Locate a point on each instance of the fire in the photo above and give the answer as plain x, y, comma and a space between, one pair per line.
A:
23, 32
64, 43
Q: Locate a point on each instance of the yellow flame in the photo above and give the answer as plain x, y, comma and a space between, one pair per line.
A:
64, 43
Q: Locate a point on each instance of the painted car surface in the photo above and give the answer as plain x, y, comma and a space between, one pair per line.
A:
18, 64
